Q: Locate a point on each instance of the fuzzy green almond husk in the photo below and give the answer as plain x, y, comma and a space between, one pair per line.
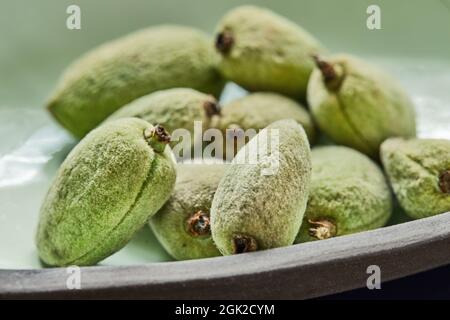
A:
111, 182
173, 109
348, 194
122, 70
358, 105
255, 208
263, 51
260, 109
419, 172
182, 225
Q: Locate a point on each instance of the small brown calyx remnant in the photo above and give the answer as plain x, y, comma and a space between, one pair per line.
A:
224, 42
444, 181
322, 229
332, 75
211, 107
157, 137
199, 224
243, 244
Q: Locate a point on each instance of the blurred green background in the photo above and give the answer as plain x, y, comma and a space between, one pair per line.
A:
35, 44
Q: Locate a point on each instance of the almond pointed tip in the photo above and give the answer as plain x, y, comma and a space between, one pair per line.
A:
157, 137
199, 224
322, 229
224, 42
444, 181
242, 244
332, 75
211, 107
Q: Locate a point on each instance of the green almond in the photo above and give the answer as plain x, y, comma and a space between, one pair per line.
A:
118, 72
260, 205
348, 194
118, 176
419, 172
183, 224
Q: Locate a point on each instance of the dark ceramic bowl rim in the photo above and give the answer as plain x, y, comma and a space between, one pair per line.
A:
300, 271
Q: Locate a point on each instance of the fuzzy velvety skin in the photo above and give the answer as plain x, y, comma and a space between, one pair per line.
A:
173, 109
120, 71
348, 189
365, 109
268, 209
258, 110
416, 169
104, 191
267, 51
194, 192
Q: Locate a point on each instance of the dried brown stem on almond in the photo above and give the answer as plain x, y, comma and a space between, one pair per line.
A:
157, 137
444, 181
199, 224
224, 42
322, 229
243, 244
332, 75
211, 107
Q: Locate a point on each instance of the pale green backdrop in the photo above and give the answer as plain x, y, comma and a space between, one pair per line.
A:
35, 44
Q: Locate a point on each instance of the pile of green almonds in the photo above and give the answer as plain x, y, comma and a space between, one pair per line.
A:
125, 97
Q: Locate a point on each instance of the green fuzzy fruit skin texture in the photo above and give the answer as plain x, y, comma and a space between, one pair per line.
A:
268, 53
173, 109
260, 109
366, 109
348, 189
267, 208
414, 167
104, 191
194, 191
120, 71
